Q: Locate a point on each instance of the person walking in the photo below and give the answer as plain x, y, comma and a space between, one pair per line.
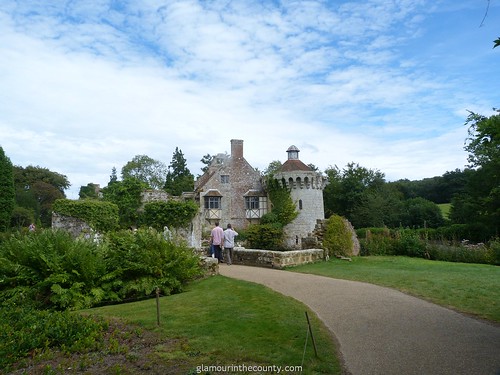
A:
216, 237
229, 235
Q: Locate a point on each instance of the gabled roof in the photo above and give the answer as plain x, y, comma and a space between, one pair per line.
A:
294, 165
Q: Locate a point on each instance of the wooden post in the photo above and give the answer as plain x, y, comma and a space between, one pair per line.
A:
312, 336
158, 306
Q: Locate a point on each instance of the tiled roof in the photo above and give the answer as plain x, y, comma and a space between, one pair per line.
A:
294, 165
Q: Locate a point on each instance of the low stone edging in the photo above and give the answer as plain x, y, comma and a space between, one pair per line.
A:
276, 259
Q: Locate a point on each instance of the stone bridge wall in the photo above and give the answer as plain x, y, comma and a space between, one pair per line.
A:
276, 259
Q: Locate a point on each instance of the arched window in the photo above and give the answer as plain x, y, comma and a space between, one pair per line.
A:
300, 204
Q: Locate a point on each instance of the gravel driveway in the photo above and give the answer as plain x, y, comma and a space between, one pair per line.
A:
383, 331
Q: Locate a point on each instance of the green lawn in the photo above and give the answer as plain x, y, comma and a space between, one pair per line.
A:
470, 288
445, 209
221, 321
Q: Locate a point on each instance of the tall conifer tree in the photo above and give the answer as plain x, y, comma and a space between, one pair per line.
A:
7, 191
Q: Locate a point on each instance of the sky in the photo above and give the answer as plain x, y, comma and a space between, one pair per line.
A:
86, 85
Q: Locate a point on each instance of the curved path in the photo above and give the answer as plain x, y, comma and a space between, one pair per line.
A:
383, 331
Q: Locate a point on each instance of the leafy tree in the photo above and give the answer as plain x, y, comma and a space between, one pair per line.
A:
283, 207
206, 160
480, 203
126, 195
147, 170
7, 191
179, 178
90, 191
37, 188
272, 168
22, 217
496, 43
379, 207
348, 189
422, 213
113, 177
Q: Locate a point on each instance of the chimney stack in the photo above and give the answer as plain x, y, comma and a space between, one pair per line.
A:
237, 148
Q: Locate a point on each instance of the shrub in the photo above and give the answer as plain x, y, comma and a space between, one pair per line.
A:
265, 236
143, 260
51, 268
493, 254
376, 241
337, 239
25, 330
409, 243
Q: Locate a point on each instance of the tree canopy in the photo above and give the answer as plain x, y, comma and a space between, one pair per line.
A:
7, 191
150, 171
179, 178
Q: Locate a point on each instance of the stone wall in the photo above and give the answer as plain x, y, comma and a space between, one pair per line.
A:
276, 259
76, 227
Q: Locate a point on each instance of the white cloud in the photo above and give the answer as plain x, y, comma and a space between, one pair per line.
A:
87, 85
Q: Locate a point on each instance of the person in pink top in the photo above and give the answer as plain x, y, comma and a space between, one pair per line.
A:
216, 237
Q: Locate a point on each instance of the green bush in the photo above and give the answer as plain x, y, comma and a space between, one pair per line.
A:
25, 330
337, 239
53, 269
143, 260
265, 236
376, 241
493, 254
409, 243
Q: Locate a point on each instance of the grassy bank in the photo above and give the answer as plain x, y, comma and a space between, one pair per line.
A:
220, 321
470, 288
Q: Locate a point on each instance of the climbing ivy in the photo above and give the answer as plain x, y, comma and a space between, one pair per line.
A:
171, 214
100, 215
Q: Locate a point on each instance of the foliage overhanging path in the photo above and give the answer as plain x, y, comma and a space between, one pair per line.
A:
384, 331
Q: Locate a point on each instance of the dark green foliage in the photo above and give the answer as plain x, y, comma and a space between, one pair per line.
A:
349, 192
22, 217
24, 331
337, 239
7, 191
480, 202
206, 160
283, 207
421, 212
100, 215
171, 214
265, 236
37, 188
89, 191
50, 269
126, 195
439, 189
144, 260
436, 244
179, 178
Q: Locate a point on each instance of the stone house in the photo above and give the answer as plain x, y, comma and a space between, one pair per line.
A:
232, 191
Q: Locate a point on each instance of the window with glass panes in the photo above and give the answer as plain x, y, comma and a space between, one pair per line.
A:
213, 202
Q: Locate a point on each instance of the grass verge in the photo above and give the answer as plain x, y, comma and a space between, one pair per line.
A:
222, 322
465, 287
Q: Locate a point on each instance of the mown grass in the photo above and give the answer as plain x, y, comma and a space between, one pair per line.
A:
221, 321
445, 209
469, 288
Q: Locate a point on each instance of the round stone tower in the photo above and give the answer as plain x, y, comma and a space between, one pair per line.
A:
306, 189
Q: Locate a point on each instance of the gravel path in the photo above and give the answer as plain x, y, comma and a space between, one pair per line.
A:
383, 331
